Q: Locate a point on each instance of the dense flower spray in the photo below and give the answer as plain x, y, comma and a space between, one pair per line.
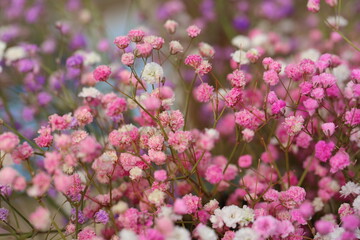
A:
215, 120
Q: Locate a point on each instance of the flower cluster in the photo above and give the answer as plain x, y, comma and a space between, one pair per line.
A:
169, 133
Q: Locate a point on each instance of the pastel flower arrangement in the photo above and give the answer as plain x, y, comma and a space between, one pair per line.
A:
170, 133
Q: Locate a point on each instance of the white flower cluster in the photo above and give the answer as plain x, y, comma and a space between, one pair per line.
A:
231, 216
152, 73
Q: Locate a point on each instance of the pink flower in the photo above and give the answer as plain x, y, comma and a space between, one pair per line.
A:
271, 195
129, 161
233, 97
180, 140
59, 122
127, 59
193, 61
245, 161
292, 197
180, 206
293, 72
237, 79
154, 41
324, 227
271, 77
8, 176
206, 50
311, 105
293, 124
158, 157
22, 152
313, 6
323, 150
173, 119
170, 26
192, 203
143, 49
175, 47
214, 174
203, 92
40, 219
303, 140
265, 226
339, 161
308, 67
318, 93
352, 117
355, 75
83, 116
87, 234
41, 183
102, 73
204, 68
8, 141
328, 128
160, 175
136, 35
89, 149
248, 134
193, 31
351, 222
52, 161
45, 139
122, 42
116, 107
251, 120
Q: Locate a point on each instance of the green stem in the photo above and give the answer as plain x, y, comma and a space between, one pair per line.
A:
188, 101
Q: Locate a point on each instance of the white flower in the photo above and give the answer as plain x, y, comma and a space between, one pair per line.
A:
120, 207
168, 212
212, 133
2, 49
336, 234
136, 173
357, 233
152, 73
356, 203
205, 233
350, 188
231, 215
14, 53
156, 197
334, 185
337, 21
355, 136
246, 234
175, 47
179, 233
248, 216
91, 58
239, 56
241, 42
317, 204
126, 234
341, 73
216, 219
311, 54
259, 40
89, 92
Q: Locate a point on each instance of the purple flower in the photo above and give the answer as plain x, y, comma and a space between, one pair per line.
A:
5, 190
4, 213
74, 61
44, 98
101, 217
81, 217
